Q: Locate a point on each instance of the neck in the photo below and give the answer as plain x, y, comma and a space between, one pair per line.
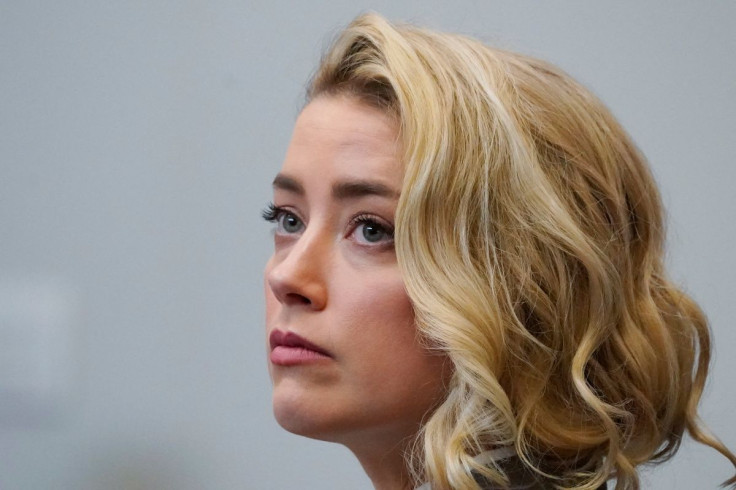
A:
385, 465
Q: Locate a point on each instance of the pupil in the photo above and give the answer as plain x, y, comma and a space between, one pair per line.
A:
291, 223
371, 233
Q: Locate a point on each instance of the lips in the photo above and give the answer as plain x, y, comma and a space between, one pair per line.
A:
288, 349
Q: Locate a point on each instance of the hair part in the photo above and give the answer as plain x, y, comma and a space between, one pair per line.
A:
530, 236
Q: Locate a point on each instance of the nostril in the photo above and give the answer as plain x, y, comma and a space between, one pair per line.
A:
298, 298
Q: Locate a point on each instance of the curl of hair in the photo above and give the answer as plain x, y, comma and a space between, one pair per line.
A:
530, 235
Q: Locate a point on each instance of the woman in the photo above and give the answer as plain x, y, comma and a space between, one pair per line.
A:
467, 287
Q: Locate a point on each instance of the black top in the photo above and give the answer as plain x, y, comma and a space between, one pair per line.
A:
522, 478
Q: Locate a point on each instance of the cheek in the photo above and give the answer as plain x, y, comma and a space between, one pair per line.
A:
382, 304
380, 318
395, 373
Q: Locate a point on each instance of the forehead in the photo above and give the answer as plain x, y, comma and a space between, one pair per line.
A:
341, 136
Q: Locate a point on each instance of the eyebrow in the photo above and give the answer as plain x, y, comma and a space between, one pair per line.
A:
351, 189
286, 183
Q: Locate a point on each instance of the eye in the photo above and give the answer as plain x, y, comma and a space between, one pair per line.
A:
289, 223
369, 231
286, 221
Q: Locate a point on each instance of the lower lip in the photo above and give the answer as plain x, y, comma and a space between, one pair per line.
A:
292, 356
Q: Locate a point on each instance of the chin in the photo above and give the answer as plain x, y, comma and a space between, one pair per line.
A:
298, 416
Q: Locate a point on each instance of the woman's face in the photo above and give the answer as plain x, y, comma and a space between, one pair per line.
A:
344, 356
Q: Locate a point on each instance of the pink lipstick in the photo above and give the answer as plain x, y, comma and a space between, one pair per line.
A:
289, 349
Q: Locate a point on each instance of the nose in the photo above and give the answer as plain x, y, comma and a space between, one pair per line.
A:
297, 275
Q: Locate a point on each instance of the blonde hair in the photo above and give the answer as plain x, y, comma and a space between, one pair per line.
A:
530, 236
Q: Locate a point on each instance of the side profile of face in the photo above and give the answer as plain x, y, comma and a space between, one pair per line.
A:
344, 357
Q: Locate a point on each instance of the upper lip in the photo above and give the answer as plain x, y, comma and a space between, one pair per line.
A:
291, 339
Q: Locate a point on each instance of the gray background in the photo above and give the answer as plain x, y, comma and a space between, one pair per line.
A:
137, 144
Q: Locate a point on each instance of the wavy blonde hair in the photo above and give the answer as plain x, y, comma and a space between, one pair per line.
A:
530, 236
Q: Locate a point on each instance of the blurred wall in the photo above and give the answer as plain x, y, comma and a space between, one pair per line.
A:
137, 144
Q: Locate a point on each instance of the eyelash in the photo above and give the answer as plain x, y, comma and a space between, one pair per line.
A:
273, 213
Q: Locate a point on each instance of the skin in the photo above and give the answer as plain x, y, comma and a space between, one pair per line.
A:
334, 280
